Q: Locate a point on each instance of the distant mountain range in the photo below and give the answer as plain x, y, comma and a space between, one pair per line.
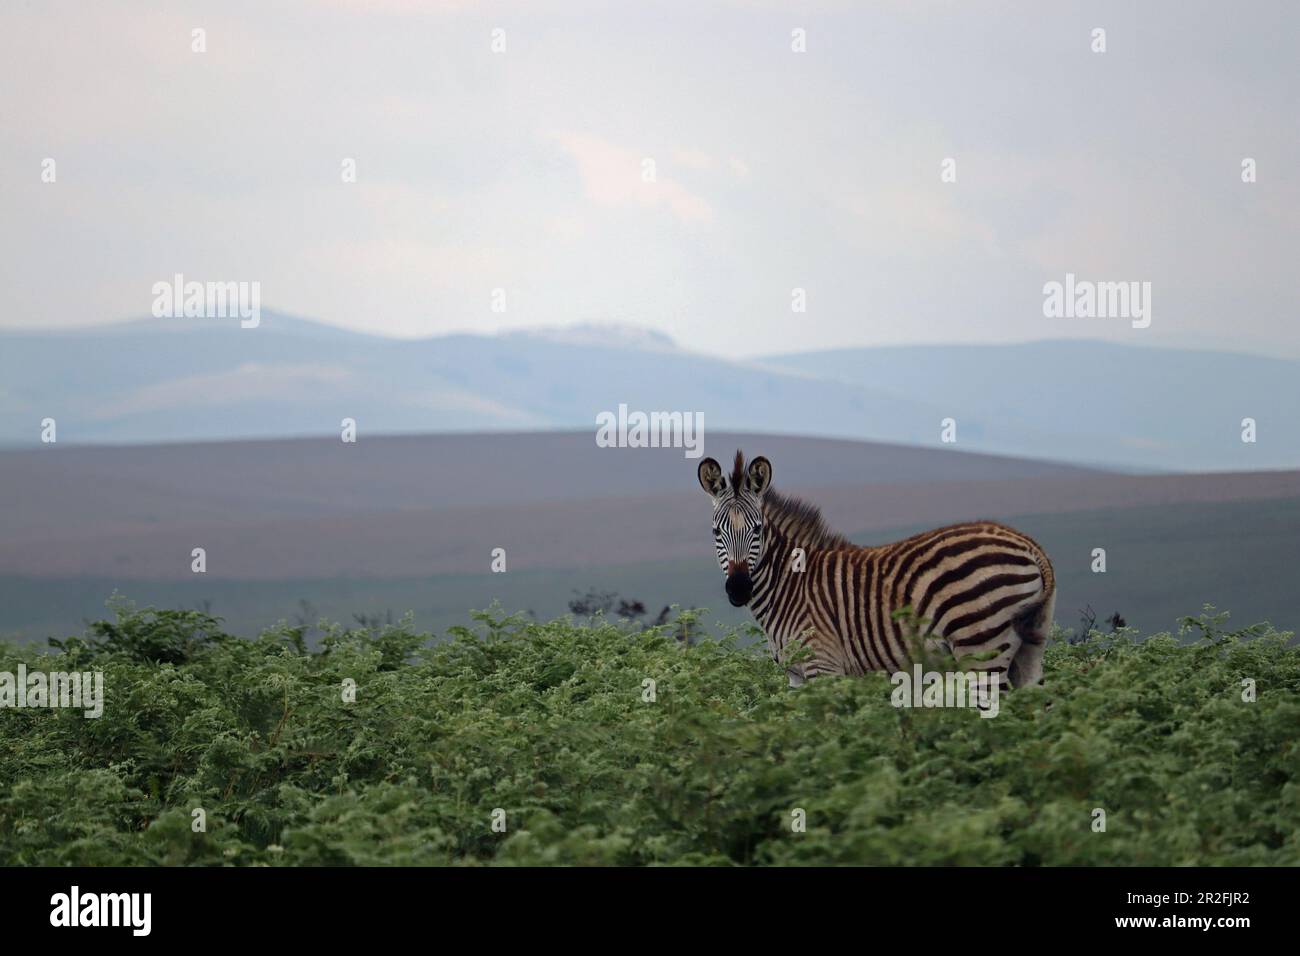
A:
167, 380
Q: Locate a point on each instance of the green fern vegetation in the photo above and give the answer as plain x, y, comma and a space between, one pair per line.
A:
550, 722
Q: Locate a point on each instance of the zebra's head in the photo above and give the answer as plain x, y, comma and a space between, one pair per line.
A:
737, 520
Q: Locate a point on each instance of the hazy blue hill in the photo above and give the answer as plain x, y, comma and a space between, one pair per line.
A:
183, 379
1068, 400
165, 380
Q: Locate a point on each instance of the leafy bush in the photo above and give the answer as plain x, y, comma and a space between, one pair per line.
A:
549, 722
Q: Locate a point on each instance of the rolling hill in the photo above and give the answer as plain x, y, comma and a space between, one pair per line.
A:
397, 523
1124, 407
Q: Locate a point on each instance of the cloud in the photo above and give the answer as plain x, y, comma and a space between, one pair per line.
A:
915, 221
774, 170
694, 159
612, 176
399, 7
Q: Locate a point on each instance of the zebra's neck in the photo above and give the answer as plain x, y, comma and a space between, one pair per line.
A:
791, 527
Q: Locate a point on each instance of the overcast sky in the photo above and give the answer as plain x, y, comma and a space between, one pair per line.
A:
523, 170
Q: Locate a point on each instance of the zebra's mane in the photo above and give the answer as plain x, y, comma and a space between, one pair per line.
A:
738, 471
801, 521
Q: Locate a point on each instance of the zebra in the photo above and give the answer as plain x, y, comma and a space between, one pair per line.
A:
980, 590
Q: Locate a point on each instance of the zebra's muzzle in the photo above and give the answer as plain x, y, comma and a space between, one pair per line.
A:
739, 587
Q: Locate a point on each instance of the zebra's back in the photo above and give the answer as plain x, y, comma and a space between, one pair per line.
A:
985, 590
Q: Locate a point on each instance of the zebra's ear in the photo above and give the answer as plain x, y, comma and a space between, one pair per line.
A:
711, 480
759, 476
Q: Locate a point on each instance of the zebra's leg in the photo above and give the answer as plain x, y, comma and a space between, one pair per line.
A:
1032, 627
821, 664
819, 668
1027, 665
993, 656
824, 659
805, 672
